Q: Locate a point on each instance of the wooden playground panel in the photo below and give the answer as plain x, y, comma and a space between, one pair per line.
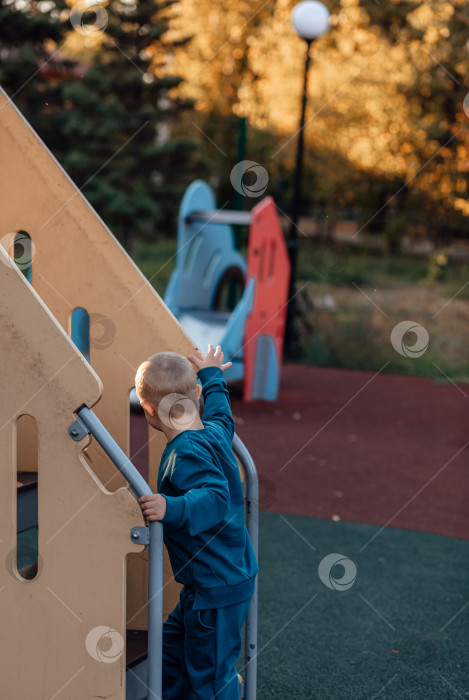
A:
84, 505
90, 581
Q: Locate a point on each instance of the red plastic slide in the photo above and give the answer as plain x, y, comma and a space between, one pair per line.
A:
269, 265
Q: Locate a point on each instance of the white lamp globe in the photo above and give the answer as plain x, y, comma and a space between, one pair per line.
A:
310, 19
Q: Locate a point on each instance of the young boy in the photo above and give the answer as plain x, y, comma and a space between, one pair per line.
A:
200, 502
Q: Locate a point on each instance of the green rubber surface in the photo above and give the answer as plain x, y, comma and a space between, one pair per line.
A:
27, 548
399, 632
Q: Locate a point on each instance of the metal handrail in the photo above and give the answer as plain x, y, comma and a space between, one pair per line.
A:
218, 216
87, 422
252, 523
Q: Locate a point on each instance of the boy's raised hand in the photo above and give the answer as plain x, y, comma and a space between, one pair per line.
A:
214, 358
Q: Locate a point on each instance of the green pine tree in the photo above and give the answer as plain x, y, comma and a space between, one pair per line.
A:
29, 41
109, 120
113, 135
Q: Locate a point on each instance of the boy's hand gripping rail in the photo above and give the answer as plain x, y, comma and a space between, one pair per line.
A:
85, 424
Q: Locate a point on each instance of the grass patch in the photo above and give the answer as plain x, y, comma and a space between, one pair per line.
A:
341, 265
156, 261
356, 335
353, 344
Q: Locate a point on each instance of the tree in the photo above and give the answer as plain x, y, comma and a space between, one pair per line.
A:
113, 134
29, 40
220, 76
108, 118
386, 95
434, 36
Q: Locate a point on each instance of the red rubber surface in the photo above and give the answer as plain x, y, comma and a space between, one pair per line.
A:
395, 454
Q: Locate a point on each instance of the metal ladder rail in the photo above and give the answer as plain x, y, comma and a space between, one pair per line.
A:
252, 523
87, 422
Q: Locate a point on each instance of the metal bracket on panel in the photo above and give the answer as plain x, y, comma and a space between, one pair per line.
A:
78, 430
140, 535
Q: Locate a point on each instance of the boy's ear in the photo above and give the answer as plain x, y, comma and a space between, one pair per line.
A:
148, 407
199, 391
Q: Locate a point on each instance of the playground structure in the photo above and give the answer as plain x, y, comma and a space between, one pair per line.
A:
206, 261
91, 572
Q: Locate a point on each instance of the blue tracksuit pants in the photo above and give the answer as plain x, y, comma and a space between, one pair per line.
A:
200, 651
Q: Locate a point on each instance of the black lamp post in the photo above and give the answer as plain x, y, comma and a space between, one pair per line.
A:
310, 20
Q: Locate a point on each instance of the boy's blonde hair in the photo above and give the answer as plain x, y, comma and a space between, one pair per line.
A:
164, 374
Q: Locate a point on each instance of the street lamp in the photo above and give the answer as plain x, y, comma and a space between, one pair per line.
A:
310, 20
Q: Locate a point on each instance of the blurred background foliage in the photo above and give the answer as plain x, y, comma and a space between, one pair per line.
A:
136, 111
159, 97
386, 94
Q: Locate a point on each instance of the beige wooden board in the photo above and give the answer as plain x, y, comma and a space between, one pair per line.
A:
78, 263
83, 528
26, 453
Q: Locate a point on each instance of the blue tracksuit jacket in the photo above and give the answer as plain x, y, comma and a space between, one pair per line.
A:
204, 525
